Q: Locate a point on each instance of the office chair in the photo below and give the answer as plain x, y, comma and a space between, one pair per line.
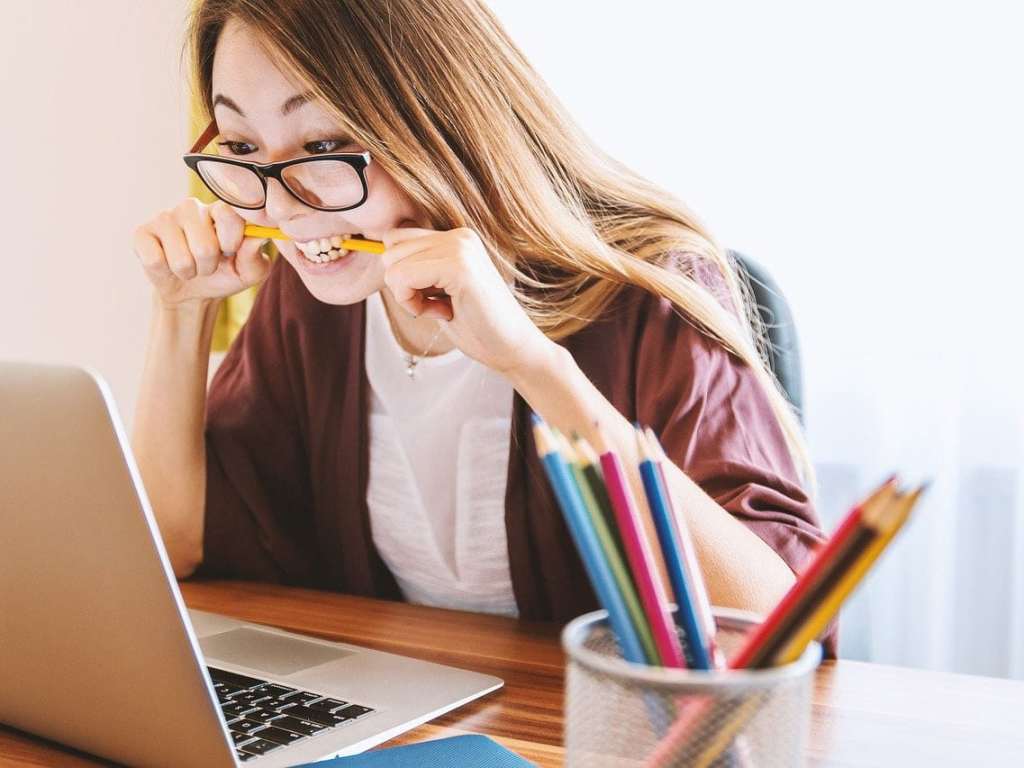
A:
784, 351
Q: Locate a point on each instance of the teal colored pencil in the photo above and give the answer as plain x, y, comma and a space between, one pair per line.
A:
582, 531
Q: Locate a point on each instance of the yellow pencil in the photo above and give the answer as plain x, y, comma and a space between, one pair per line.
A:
886, 515
728, 728
370, 246
889, 525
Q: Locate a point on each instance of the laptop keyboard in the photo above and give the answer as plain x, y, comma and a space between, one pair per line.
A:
264, 716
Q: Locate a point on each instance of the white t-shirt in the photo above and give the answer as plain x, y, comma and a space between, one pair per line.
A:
439, 450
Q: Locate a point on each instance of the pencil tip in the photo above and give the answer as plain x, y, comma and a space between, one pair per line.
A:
656, 447
641, 441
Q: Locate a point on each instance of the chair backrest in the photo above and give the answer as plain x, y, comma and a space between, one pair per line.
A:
784, 352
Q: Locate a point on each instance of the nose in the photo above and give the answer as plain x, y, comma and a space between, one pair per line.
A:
281, 205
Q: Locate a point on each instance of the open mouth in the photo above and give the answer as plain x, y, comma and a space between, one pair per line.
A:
326, 249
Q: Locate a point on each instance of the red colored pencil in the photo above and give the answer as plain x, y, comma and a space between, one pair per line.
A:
753, 652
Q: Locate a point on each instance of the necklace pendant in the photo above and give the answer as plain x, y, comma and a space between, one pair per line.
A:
410, 367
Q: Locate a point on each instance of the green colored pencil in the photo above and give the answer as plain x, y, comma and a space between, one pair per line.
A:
615, 560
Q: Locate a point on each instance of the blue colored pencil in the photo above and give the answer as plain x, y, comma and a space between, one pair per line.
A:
587, 543
691, 568
671, 549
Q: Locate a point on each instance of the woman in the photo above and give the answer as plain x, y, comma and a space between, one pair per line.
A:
368, 431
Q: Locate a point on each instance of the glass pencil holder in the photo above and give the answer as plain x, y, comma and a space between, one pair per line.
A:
622, 714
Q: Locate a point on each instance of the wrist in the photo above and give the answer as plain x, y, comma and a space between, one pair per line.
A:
543, 359
187, 323
190, 310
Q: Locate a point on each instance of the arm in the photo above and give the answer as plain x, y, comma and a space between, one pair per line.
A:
742, 571
193, 255
167, 434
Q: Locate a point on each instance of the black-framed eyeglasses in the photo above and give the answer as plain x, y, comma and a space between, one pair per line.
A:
331, 182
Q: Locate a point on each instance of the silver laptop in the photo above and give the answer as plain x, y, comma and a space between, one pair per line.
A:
97, 649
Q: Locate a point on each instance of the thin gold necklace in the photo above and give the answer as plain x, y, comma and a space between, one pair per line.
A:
411, 360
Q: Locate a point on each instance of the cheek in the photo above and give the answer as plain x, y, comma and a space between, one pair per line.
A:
253, 217
386, 203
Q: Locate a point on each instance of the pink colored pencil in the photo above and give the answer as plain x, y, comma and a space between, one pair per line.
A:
640, 556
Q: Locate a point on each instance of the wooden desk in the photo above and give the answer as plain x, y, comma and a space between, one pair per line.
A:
864, 714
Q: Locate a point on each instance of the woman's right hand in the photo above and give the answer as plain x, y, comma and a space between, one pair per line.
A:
197, 252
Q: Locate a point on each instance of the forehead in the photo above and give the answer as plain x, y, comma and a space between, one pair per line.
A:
245, 72
242, 66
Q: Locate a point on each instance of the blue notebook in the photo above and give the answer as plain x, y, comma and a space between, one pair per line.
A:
454, 752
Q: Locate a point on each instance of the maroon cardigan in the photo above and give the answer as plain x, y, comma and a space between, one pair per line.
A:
288, 462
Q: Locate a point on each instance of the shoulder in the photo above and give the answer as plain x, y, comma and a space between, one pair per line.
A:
644, 348
638, 317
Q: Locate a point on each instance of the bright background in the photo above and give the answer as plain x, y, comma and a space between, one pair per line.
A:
869, 155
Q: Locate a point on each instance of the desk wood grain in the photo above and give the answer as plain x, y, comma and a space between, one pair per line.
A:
864, 714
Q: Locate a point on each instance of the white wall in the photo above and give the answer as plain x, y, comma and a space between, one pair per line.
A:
870, 154
842, 144
94, 123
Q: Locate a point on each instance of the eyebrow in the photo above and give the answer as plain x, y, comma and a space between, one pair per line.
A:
287, 108
295, 102
222, 99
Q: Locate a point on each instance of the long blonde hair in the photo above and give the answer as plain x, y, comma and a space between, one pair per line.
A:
448, 105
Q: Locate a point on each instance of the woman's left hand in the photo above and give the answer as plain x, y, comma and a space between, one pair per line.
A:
484, 319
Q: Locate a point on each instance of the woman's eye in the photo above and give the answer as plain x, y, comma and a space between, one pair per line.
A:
237, 147
324, 146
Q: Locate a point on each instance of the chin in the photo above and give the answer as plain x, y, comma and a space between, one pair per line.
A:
348, 280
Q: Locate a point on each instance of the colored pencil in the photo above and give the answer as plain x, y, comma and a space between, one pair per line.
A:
883, 520
640, 556
615, 561
671, 551
691, 566
585, 538
888, 522
595, 479
876, 521
765, 636
353, 244
857, 543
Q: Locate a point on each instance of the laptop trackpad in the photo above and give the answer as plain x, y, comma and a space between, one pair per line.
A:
267, 651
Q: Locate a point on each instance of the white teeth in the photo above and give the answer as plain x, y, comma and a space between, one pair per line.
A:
323, 258
324, 250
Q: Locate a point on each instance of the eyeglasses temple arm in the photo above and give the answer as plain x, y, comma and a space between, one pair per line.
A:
205, 137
